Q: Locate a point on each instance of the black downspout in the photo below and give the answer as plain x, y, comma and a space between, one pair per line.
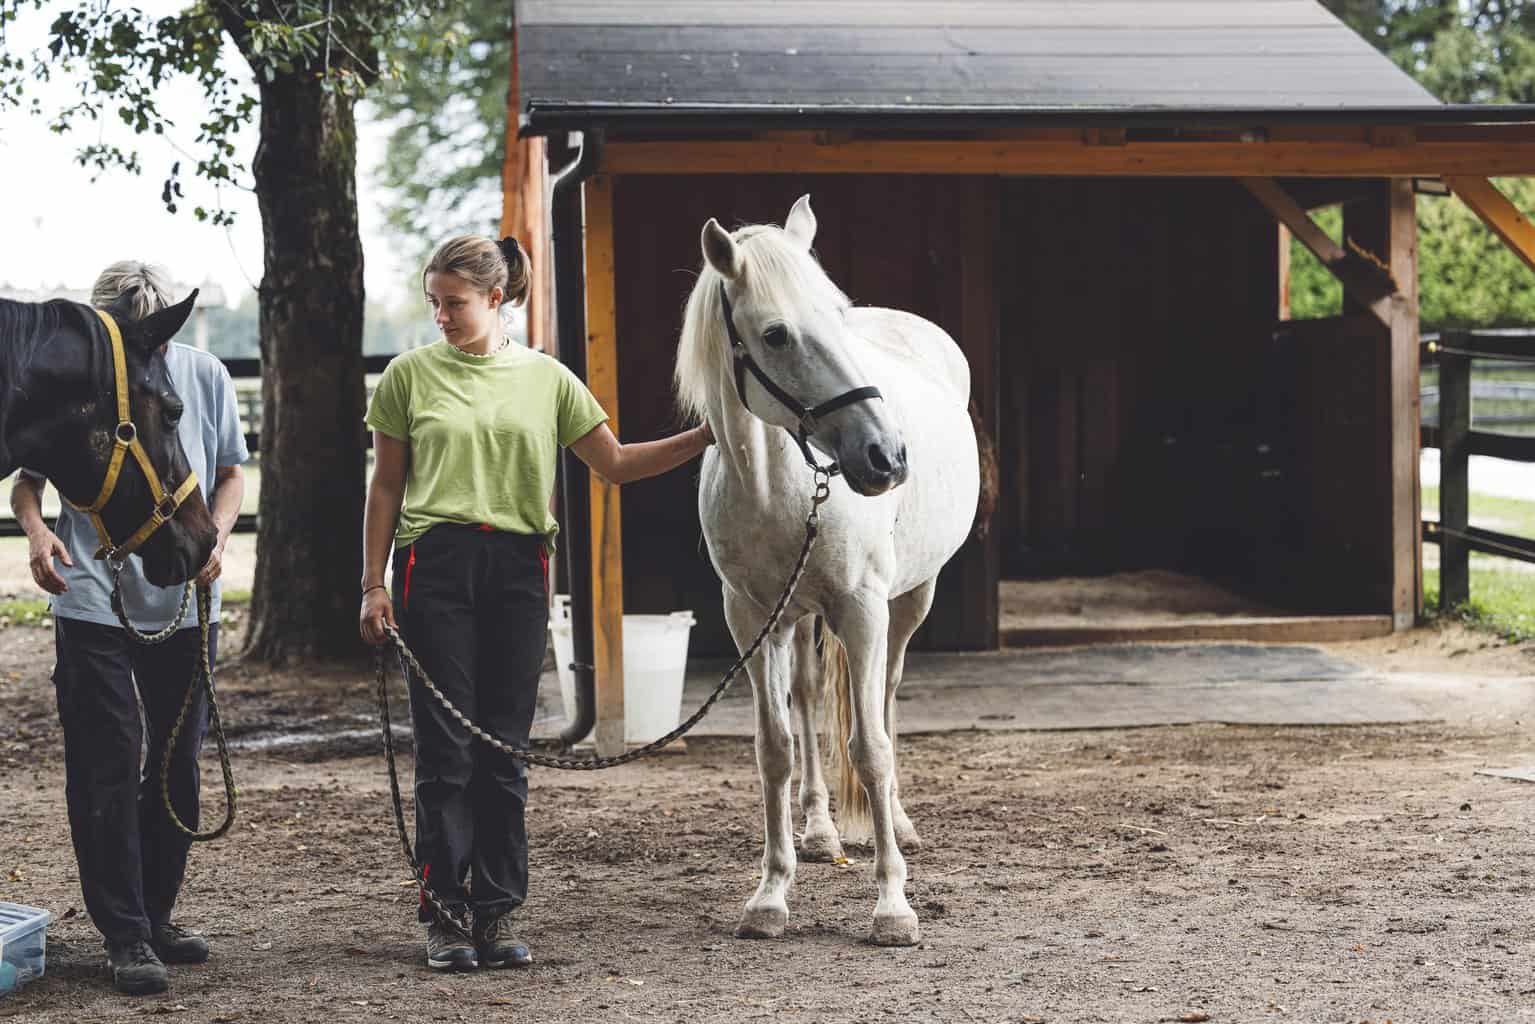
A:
570, 317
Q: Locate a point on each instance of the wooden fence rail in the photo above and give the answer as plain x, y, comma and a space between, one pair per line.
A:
1453, 352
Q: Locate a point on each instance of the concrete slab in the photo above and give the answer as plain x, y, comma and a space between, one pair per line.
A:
1127, 685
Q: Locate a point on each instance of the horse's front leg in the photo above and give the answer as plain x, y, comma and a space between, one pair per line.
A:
906, 614
820, 842
767, 911
864, 628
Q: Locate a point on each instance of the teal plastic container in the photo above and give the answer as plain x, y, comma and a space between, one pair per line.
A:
23, 945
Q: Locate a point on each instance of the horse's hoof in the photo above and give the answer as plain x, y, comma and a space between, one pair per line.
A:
820, 847
763, 923
908, 841
895, 930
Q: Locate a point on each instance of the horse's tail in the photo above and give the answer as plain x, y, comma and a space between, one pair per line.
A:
986, 498
853, 815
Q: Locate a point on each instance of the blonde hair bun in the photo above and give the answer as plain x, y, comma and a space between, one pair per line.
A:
485, 264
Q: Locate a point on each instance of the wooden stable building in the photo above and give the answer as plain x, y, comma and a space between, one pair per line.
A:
1095, 199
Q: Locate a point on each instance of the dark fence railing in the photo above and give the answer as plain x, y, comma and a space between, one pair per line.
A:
1452, 352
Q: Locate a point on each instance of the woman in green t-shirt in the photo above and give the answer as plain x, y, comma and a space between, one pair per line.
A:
466, 433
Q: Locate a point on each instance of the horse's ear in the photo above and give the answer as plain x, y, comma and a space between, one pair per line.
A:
158, 328
720, 249
800, 224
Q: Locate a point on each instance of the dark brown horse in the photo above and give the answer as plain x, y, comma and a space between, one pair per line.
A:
59, 417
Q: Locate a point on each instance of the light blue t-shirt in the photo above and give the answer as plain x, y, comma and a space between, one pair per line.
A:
211, 435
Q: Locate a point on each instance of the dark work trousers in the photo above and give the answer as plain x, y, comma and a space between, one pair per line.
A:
132, 858
473, 605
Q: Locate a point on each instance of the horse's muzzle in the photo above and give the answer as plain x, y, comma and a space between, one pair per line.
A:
882, 468
180, 556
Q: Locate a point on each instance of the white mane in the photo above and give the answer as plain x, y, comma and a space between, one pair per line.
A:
780, 274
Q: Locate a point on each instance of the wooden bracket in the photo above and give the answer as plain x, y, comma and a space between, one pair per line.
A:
1502, 216
1365, 279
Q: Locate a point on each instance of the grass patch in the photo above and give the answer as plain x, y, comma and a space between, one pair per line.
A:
1506, 515
25, 612
1502, 600
1502, 592
232, 596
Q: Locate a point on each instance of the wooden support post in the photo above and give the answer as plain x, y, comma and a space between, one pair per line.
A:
1406, 408
1406, 449
1367, 285
1454, 487
1284, 272
1386, 222
607, 521
1502, 216
524, 215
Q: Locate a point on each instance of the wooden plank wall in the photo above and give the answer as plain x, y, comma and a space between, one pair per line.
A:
1334, 551
907, 242
1136, 333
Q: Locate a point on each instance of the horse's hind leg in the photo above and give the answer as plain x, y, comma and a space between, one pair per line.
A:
864, 628
820, 842
767, 911
907, 612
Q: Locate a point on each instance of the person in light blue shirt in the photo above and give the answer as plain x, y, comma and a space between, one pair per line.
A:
132, 859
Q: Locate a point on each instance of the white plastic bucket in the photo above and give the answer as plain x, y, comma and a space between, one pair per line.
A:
655, 663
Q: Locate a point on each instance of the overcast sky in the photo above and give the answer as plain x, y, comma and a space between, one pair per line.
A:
58, 227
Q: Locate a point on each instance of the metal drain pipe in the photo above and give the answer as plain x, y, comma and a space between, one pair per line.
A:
568, 229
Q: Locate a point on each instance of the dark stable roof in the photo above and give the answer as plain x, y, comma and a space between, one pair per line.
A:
688, 63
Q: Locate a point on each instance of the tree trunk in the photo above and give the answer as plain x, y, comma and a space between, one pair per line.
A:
309, 547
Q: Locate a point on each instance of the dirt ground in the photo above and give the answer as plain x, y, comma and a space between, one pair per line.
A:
1165, 874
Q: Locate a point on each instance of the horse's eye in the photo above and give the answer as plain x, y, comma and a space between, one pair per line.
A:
776, 336
173, 411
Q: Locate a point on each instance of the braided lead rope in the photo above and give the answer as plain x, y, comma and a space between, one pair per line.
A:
150, 639
409, 665
203, 674
444, 916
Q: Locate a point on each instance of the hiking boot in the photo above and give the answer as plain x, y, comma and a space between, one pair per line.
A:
176, 945
447, 949
494, 942
134, 968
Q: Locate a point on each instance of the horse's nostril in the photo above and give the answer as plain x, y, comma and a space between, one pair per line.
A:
878, 460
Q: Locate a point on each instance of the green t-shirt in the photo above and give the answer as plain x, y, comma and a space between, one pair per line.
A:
484, 433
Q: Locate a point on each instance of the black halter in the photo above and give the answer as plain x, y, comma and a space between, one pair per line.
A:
807, 416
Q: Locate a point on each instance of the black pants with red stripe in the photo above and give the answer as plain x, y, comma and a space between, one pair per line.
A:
473, 605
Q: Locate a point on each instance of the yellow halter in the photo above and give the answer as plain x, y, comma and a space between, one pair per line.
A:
126, 439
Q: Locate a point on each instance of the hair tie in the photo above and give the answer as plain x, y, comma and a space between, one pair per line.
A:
510, 250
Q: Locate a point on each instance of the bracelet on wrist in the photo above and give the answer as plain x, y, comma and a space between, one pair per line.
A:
376, 586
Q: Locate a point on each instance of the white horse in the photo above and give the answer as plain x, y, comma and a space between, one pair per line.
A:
772, 350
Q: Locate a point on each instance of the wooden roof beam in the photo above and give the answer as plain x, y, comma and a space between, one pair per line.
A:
1309, 158
1366, 281
1502, 216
